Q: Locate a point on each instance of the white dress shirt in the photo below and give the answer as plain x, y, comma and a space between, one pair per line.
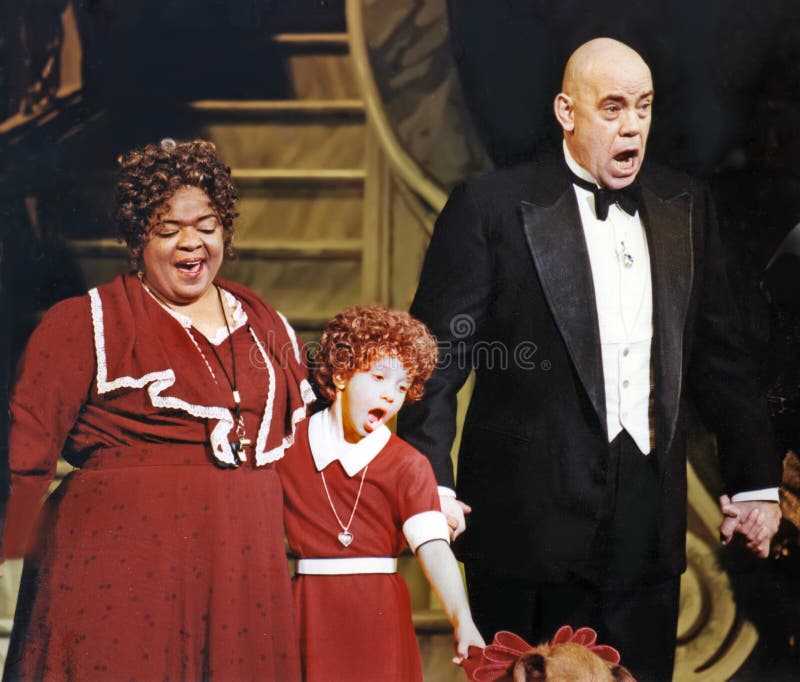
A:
624, 299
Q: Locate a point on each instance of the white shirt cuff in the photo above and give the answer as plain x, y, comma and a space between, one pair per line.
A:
444, 491
424, 527
763, 495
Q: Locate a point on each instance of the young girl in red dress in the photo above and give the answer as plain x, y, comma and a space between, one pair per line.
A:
355, 494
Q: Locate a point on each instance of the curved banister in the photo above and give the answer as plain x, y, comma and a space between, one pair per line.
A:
400, 161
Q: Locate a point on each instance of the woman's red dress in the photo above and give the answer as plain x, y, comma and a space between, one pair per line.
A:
150, 562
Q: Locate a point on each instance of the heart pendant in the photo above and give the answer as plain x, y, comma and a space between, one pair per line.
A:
345, 538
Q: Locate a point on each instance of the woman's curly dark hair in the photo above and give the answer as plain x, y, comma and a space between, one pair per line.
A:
149, 177
358, 336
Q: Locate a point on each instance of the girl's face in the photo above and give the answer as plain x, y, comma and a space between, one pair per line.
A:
371, 397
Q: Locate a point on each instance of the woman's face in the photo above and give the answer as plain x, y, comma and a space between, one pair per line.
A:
184, 247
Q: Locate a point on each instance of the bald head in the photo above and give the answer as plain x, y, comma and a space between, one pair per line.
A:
594, 58
604, 109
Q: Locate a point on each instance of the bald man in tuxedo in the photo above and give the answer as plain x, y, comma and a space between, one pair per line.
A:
588, 292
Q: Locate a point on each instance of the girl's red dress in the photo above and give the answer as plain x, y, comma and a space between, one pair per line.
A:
151, 563
356, 627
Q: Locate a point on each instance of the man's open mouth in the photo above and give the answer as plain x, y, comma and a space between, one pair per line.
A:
626, 160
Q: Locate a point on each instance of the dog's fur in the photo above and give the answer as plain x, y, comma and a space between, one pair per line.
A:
567, 662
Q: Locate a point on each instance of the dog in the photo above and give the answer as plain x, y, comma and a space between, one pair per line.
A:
567, 662
570, 656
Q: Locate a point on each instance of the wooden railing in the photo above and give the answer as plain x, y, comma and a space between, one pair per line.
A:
404, 168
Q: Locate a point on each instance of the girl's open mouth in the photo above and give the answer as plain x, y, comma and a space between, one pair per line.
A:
375, 418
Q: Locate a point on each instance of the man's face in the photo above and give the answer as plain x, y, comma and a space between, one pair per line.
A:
610, 120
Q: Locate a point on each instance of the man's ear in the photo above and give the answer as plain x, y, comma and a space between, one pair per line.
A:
564, 108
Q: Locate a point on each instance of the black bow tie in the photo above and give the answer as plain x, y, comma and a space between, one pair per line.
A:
629, 198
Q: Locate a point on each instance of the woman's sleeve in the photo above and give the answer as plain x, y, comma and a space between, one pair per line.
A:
53, 382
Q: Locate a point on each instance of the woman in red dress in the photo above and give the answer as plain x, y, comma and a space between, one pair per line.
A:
355, 495
161, 556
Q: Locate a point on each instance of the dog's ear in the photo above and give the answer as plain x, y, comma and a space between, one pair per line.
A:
529, 668
621, 674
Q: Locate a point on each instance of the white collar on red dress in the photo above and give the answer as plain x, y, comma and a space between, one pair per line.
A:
238, 316
328, 444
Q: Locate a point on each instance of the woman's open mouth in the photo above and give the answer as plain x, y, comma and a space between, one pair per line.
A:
190, 268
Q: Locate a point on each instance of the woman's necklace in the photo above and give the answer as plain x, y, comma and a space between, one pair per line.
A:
238, 446
345, 537
244, 442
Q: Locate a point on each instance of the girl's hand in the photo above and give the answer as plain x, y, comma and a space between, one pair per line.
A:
466, 635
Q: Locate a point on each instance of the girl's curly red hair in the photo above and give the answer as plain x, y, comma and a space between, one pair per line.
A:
358, 336
148, 178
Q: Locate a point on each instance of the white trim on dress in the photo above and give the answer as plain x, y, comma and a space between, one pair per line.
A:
159, 381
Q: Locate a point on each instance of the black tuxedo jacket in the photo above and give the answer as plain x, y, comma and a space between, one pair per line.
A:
507, 289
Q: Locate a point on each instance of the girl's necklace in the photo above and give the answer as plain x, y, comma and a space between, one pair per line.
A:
345, 537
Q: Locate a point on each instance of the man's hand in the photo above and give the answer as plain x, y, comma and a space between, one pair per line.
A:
454, 511
756, 520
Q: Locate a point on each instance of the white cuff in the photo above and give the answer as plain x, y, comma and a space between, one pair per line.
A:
424, 527
444, 491
763, 495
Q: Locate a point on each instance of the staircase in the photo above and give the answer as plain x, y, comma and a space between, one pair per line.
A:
300, 165
302, 239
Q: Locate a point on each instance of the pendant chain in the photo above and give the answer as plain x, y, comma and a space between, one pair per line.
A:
345, 537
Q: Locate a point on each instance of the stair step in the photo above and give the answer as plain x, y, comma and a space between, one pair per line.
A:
304, 289
309, 324
318, 65
345, 249
431, 621
341, 249
307, 212
315, 40
295, 176
280, 108
322, 75
289, 140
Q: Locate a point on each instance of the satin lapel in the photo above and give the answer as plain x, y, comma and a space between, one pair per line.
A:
558, 246
669, 235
